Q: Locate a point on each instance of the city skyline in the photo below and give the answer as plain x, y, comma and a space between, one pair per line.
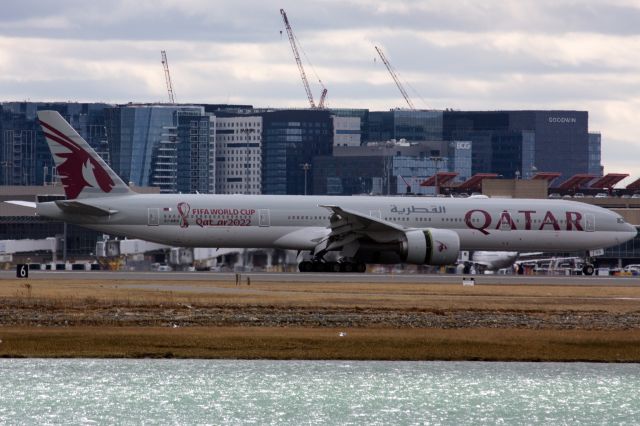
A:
467, 55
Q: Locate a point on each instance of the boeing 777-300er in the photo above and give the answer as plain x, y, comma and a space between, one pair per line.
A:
360, 229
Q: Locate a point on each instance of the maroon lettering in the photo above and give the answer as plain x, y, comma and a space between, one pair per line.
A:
468, 219
550, 219
506, 221
573, 219
527, 218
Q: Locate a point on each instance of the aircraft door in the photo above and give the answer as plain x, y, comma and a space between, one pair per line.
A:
590, 223
264, 217
153, 216
375, 213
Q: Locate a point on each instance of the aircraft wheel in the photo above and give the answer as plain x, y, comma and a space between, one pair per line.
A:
305, 266
588, 269
332, 267
361, 267
346, 267
318, 267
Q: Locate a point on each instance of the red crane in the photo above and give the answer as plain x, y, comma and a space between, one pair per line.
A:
303, 75
167, 76
395, 78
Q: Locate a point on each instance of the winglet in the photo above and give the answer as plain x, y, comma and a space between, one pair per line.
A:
83, 173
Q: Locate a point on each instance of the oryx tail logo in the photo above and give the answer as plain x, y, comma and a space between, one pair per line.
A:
77, 169
441, 246
183, 211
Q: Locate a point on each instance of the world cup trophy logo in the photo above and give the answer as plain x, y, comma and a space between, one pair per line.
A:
183, 211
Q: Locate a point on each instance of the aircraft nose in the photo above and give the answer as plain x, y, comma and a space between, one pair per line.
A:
633, 231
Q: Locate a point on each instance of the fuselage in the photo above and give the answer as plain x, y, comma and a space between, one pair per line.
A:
298, 222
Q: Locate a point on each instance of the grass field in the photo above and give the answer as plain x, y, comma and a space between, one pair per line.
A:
115, 338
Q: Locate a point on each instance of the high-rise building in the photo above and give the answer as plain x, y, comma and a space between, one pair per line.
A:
195, 152
595, 154
389, 168
147, 142
513, 143
400, 124
290, 140
239, 154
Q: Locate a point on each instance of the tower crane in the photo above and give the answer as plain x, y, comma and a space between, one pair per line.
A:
395, 78
167, 77
303, 75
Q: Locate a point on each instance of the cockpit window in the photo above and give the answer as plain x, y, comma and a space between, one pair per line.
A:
620, 220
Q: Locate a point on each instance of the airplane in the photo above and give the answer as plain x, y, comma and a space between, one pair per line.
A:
495, 260
359, 229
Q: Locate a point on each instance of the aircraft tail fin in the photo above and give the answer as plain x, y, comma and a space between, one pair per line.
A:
82, 172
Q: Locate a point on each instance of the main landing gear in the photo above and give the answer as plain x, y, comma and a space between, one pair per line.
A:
317, 266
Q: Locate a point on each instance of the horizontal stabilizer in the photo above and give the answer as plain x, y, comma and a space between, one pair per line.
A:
77, 207
29, 204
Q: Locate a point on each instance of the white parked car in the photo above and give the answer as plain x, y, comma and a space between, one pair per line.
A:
602, 195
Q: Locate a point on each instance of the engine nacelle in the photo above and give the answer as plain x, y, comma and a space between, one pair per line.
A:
431, 247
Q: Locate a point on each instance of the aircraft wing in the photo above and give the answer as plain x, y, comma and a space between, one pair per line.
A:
21, 203
348, 226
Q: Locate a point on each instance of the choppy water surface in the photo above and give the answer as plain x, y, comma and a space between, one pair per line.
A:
40, 391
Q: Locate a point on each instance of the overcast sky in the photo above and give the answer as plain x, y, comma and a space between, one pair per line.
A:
461, 54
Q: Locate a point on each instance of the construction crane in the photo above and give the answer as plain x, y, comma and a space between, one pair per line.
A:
303, 75
167, 77
395, 78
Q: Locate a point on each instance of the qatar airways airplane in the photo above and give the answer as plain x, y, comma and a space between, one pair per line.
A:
360, 229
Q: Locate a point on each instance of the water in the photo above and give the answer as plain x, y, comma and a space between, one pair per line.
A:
43, 391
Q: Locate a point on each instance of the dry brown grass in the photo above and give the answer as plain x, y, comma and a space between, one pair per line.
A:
305, 294
313, 343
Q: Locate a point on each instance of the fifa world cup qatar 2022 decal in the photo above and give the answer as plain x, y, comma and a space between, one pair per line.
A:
204, 217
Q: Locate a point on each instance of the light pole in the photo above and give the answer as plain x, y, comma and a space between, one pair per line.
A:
306, 167
246, 132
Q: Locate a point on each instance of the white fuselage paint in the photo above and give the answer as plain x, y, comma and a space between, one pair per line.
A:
297, 222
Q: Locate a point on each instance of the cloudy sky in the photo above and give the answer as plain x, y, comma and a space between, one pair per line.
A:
461, 54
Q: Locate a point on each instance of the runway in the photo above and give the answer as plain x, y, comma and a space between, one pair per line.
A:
291, 277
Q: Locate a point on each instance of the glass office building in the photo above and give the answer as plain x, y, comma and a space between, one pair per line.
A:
195, 152
388, 168
140, 134
290, 140
522, 142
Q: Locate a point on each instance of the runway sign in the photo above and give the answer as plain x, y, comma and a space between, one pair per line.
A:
22, 270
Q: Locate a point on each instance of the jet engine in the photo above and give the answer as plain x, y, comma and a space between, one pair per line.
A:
431, 247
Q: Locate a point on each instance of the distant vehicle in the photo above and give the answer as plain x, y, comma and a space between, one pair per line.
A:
566, 196
635, 196
602, 195
632, 268
625, 196
578, 195
164, 268
554, 195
